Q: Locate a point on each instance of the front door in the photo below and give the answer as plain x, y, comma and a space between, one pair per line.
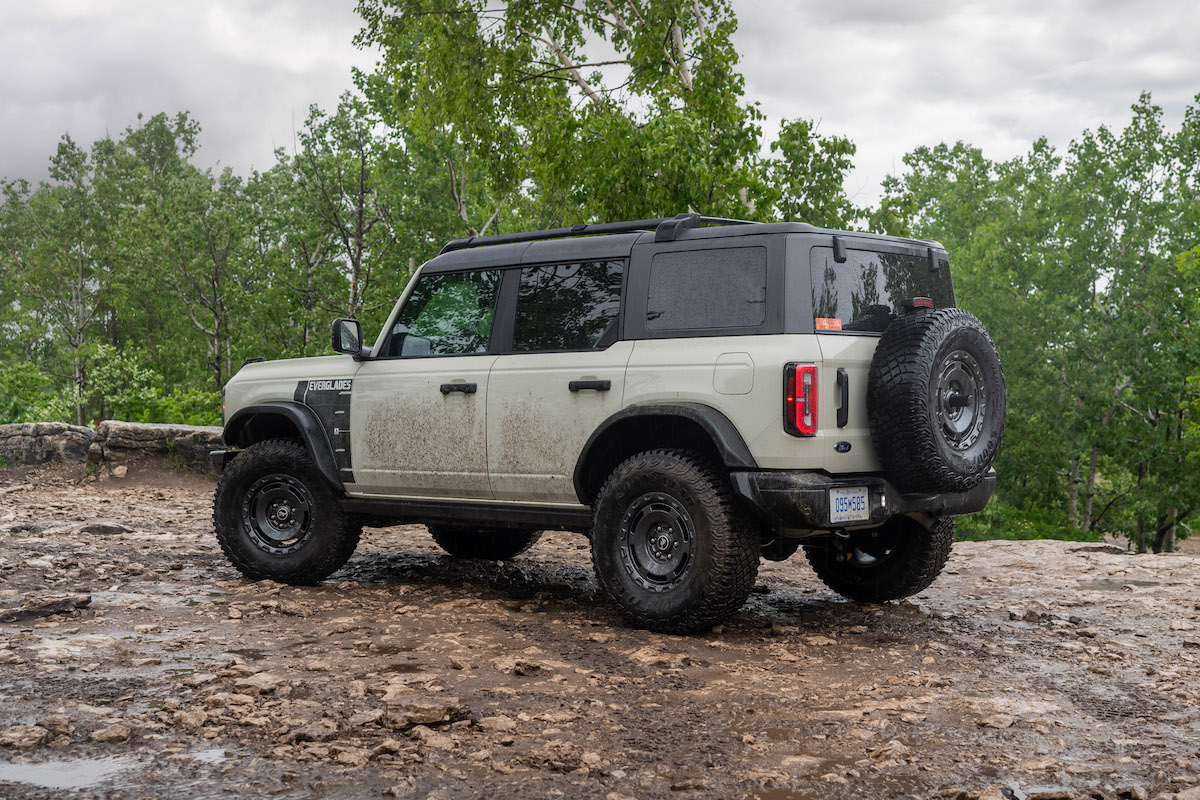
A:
419, 408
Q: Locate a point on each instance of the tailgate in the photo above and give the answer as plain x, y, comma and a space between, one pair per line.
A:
852, 356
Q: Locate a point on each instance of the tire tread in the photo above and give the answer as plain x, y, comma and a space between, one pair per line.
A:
735, 545
345, 529
919, 570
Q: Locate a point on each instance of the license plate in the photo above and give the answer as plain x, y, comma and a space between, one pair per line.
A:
849, 505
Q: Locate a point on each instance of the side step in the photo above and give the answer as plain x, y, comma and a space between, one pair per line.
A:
482, 514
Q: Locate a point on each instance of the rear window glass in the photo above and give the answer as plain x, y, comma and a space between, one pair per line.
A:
865, 292
708, 289
568, 306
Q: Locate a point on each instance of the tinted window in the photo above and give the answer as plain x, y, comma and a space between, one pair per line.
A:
567, 306
708, 289
449, 314
864, 293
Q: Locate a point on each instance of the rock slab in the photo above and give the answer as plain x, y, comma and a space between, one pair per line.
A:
190, 444
29, 443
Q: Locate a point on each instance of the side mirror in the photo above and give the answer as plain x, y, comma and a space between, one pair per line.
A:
347, 337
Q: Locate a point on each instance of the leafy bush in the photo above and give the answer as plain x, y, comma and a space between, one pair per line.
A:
23, 388
999, 520
124, 388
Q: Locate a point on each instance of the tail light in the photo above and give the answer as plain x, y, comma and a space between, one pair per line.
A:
800, 399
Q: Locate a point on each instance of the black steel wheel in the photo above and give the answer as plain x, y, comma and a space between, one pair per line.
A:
669, 545
277, 518
277, 513
493, 544
962, 400
898, 559
658, 541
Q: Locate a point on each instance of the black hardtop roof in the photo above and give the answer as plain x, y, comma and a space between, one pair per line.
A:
616, 240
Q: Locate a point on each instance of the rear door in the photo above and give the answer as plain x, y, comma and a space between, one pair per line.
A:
563, 373
419, 409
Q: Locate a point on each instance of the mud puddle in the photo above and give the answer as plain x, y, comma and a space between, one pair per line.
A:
80, 773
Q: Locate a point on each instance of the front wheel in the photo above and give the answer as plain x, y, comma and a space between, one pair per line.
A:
669, 546
277, 518
898, 559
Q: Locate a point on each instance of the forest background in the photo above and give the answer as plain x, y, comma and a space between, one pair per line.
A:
133, 283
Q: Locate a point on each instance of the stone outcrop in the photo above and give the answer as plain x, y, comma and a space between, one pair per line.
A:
122, 441
32, 443
28, 443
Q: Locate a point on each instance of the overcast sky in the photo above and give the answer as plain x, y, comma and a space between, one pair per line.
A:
889, 74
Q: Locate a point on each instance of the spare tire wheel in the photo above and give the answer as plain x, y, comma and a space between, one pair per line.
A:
936, 401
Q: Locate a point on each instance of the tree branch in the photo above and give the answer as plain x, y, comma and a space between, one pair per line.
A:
567, 63
685, 74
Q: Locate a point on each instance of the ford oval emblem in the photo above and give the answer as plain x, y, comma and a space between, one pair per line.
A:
842, 447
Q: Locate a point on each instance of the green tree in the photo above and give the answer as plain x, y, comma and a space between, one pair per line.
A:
550, 114
1072, 264
188, 232
57, 243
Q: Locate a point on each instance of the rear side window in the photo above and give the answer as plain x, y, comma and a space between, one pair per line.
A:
568, 306
700, 289
864, 293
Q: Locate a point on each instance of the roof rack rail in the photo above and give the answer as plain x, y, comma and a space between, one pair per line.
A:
666, 229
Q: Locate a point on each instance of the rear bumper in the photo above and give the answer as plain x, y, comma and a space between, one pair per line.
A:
800, 500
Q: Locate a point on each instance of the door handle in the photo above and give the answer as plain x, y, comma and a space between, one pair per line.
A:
843, 412
465, 388
599, 386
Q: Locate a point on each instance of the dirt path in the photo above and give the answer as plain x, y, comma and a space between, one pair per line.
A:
134, 662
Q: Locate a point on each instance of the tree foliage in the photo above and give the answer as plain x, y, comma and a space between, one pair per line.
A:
555, 113
1082, 267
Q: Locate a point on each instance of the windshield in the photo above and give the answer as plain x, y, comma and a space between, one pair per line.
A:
863, 294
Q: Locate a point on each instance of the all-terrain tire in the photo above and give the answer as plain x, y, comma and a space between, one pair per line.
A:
669, 545
936, 401
276, 517
493, 544
901, 559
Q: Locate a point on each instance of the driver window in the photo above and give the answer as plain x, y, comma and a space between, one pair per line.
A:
448, 314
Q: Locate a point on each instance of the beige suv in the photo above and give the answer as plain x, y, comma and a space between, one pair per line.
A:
691, 393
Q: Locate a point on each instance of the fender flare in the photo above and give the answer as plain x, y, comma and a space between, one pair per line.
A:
726, 438
305, 420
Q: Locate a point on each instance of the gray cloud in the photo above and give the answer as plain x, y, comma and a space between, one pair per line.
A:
246, 71
890, 75
997, 75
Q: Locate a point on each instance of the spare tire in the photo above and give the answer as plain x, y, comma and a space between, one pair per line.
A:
935, 401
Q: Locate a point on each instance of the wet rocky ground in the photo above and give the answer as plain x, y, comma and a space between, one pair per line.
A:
135, 663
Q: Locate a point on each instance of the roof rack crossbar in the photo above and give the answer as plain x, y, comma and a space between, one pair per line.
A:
666, 229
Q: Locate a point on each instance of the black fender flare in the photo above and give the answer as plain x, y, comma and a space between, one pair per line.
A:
304, 419
726, 438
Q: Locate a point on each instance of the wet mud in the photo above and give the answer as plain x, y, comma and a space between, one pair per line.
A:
135, 662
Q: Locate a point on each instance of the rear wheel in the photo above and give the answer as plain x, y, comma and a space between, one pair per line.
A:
669, 545
898, 559
493, 544
277, 518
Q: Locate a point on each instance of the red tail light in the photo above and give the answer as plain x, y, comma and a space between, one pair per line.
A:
800, 399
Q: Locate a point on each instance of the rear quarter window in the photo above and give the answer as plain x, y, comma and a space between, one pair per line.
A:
864, 293
707, 289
